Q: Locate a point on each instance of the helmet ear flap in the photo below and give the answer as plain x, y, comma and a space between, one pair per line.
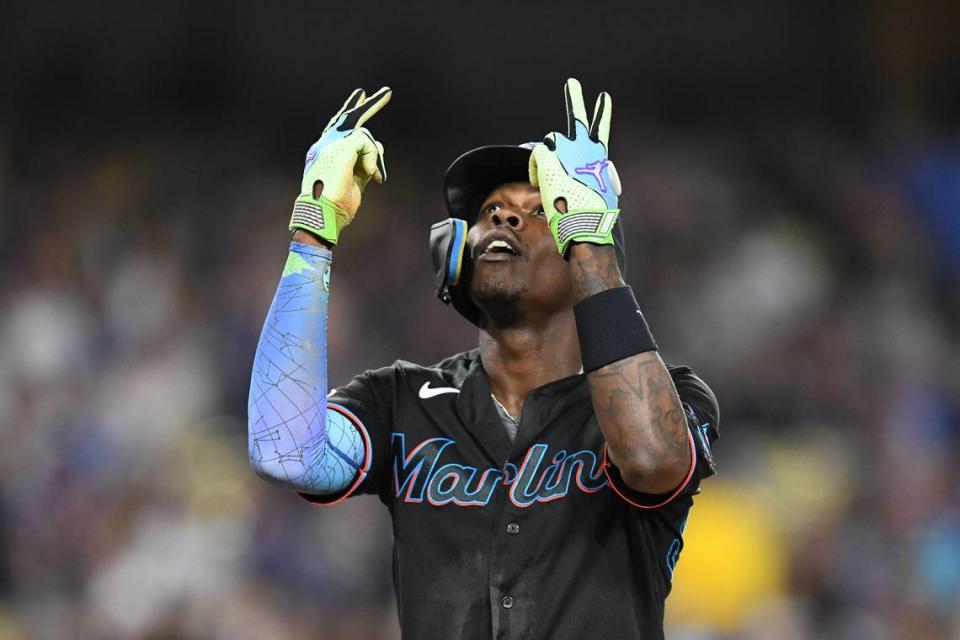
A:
451, 266
448, 239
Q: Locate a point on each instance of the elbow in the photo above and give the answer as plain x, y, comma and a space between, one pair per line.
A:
259, 467
274, 470
272, 473
656, 474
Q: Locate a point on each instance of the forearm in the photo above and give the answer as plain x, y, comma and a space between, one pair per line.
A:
290, 441
634, 398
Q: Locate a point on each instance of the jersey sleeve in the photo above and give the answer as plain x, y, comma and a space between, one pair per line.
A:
365, 404
702, 415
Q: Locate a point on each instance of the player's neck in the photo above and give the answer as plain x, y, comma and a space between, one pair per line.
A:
521, 358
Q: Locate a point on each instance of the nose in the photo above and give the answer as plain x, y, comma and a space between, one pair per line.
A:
508, 218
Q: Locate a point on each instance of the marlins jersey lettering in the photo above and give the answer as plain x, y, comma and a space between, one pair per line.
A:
538, 538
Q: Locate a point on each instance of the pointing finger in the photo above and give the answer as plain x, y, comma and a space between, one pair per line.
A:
600, 125
353, 100
576, 109
366, 109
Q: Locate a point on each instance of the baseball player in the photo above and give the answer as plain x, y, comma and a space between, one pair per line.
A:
539, 484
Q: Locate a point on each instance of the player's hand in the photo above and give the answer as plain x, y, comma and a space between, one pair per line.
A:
574, 173
338, 167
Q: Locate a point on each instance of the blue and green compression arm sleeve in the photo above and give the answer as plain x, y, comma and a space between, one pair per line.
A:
291, 441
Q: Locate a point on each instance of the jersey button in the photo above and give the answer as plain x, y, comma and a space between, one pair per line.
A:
507, 602
513, 528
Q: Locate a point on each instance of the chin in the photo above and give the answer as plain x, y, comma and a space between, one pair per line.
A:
499, 299
495, 291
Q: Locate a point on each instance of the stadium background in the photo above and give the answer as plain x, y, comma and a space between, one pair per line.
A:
792, 204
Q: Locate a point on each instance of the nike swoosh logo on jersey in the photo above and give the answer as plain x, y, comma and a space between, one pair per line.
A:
426, 391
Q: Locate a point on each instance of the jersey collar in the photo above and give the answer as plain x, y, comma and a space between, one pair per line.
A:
544, 406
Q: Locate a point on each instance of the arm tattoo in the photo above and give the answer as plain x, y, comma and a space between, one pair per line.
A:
640, 413
635, 400
595, 269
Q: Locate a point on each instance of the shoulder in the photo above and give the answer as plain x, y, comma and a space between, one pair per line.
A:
695, 393
451, 371
702, 413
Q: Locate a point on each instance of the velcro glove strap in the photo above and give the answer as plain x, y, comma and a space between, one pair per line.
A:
316, 215
583, 225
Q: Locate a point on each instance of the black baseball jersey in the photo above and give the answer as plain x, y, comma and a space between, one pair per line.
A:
530, 539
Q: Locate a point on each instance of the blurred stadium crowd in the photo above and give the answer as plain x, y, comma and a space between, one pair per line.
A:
807, 270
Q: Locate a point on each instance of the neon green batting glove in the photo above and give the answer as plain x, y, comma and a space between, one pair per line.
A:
338, 167
575, 168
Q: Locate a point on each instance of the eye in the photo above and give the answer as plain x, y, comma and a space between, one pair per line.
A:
490, 208
540, 212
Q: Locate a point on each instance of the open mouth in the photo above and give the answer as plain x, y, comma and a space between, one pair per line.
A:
497, 249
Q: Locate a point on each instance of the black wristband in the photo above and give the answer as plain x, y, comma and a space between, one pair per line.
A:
610, 327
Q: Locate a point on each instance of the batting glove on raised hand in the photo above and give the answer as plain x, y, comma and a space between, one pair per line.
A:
338, 167
574, 168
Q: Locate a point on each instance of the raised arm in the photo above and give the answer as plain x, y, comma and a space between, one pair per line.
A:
291, 439
633, 395
634, 398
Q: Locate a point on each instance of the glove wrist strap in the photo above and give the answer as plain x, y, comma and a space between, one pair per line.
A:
316, 215
583, 225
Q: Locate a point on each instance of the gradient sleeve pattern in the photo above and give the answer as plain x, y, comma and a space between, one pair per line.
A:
293, 438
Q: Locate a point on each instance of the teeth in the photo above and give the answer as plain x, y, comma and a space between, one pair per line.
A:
499, 244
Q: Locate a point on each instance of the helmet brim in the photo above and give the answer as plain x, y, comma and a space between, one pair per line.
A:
476, 173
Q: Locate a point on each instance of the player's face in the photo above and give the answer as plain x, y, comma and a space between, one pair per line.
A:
514, 255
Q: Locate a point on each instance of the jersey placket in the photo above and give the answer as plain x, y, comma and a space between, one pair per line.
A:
510, 603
